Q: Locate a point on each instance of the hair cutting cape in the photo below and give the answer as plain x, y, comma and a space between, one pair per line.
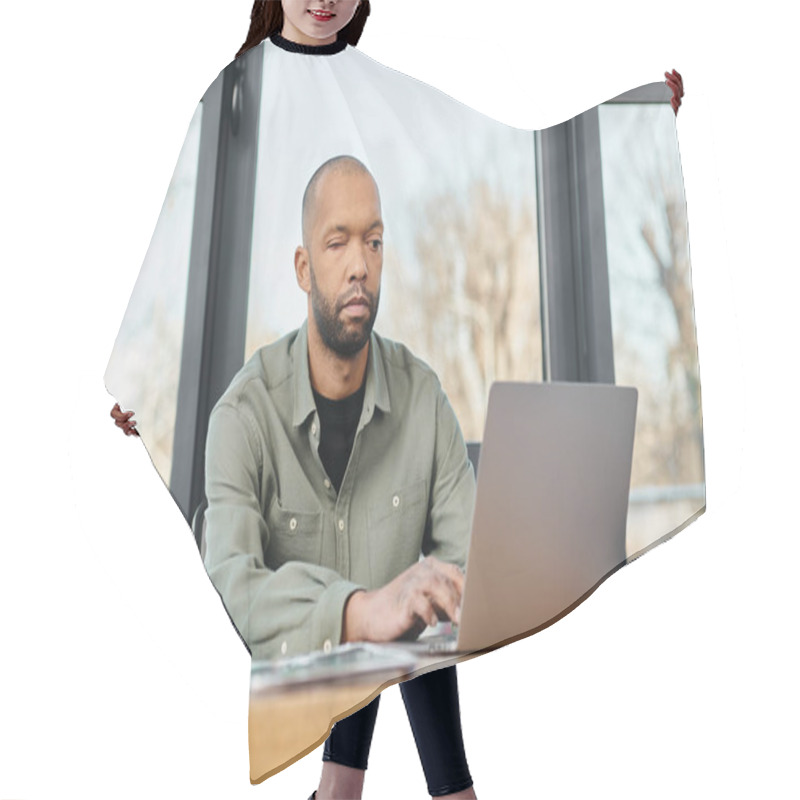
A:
510, 254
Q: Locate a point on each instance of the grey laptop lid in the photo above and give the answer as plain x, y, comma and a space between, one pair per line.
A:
551, 505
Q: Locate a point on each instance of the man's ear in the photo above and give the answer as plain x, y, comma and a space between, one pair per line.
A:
302, 269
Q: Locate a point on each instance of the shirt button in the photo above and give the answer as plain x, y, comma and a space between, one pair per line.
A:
292, 524
341, 524
327, 646
327, 484
395, 501
284, 648
313, 428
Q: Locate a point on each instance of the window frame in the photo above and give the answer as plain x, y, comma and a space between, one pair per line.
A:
219, 266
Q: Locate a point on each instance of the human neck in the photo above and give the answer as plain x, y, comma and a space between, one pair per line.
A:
297, 36
334, 376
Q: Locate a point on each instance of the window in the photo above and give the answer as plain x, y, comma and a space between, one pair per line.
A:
655, 346
146, 359
566, 259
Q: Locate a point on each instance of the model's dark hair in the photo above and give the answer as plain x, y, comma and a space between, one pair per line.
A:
266, 18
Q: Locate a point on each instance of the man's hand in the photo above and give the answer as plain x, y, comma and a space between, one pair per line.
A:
124, 420
414, 599
675, 82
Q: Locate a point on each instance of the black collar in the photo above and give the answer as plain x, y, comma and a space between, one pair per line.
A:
308, 49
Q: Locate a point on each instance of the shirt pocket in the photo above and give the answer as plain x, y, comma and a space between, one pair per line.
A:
396, 525
294, 535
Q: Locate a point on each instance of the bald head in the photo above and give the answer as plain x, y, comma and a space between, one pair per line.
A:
339, 165
340, 262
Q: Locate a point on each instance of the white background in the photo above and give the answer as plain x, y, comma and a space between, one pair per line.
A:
120, 675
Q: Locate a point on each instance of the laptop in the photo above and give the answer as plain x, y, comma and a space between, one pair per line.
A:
550, 511
548, 526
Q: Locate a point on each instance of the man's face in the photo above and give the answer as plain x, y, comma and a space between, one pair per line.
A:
345, 255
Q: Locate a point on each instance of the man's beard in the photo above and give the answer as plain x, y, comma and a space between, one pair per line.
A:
338, 337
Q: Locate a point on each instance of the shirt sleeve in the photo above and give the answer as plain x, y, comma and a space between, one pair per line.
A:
294, 609
453, 494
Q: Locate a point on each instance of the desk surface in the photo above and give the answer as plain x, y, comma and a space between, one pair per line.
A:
286, 723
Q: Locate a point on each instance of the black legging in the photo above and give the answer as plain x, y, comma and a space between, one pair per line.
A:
432, 706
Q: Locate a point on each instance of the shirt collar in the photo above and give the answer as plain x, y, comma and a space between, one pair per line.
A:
376, 392
303, 398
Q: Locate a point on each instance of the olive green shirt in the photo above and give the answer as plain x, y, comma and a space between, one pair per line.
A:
282, 548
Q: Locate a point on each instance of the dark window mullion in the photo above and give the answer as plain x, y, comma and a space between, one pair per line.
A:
219, 271
576, 316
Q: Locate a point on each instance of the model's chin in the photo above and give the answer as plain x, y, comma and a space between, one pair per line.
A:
356, 336
348, 348
347, 330
353, 335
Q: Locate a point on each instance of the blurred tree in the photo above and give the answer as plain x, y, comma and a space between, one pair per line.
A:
675, 279
475, 313
655, 343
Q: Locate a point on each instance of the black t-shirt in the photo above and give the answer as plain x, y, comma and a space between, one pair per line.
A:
338, 423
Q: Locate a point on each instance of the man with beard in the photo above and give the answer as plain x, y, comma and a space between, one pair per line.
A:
334, 459
333, 462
